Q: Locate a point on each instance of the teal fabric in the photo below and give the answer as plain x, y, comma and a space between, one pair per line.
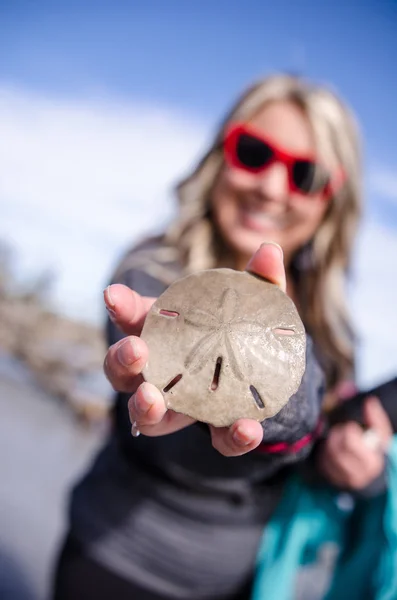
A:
311, 518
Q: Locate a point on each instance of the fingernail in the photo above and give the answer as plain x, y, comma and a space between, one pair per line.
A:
112, 314
135, 430
108, 298
143, 402
128, 353
274, 244
242, 438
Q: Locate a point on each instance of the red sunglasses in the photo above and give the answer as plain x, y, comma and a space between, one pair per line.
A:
247, 149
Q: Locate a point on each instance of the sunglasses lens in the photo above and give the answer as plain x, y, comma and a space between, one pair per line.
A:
252, 152
309, 177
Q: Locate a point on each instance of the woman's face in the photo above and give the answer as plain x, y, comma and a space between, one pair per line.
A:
252, 208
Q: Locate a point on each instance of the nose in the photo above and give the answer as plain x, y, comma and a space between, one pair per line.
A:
273, 183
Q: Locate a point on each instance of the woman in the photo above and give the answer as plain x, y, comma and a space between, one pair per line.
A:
172, 516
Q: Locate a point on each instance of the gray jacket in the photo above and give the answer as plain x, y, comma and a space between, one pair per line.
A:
171, 513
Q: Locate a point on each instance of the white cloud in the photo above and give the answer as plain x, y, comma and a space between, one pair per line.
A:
383, 181
374, 302
81, 180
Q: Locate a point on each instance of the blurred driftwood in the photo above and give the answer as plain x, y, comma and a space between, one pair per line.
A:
64, 356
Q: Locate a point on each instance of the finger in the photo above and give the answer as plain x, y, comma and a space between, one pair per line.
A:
334, 452
349, 437
360, 457
375, 417
357, 474
351, 450
268, 263
124, 361
149, 414
242, 437
341, 440
337, 449
348, 460
336, 469
370, 464
126, 308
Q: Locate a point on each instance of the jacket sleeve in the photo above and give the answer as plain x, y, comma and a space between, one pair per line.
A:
300, 416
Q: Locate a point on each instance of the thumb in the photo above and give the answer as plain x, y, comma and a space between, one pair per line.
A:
126, 308
375, 417
267, 262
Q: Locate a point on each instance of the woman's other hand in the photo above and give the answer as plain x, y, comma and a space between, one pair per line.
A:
353, 458
126, 359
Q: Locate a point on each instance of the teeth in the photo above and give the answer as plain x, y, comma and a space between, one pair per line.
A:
263, 218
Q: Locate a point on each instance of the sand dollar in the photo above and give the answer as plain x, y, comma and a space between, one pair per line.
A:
224, 345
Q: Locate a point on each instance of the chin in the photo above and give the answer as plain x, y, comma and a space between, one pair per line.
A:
250, 241
246, 244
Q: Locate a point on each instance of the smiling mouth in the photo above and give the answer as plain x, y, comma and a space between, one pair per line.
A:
259, 220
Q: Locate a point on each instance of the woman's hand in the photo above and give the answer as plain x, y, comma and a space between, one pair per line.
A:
353, 458
125, 360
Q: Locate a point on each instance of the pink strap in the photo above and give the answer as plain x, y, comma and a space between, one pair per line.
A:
296, 446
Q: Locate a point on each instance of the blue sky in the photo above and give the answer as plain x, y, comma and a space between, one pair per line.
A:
197, 56
88, 89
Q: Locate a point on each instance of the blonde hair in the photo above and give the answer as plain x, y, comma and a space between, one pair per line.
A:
321, 267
